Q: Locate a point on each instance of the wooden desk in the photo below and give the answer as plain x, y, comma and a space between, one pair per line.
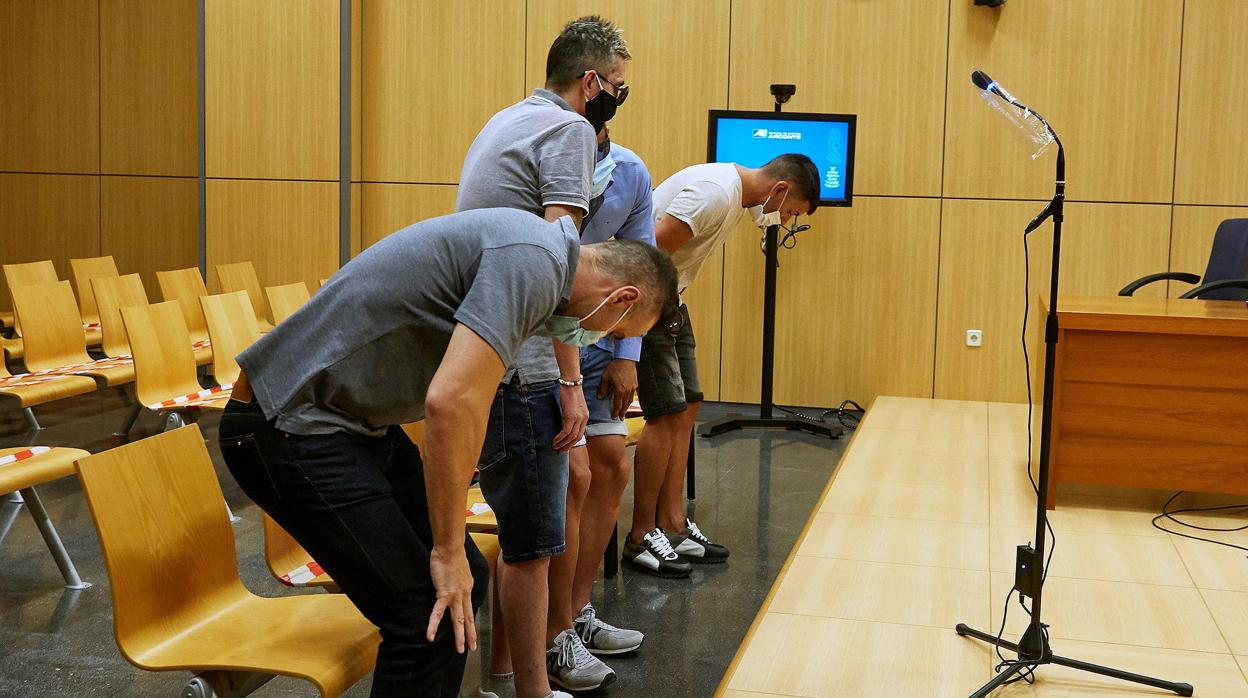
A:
1151, 392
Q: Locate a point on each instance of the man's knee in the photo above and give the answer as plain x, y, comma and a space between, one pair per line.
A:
579, 479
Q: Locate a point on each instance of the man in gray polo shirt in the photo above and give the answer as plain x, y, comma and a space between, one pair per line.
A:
538, 156
420, 325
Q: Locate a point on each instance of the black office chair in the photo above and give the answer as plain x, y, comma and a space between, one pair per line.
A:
1226, 276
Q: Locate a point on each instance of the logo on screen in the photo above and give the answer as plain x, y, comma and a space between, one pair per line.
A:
760, 133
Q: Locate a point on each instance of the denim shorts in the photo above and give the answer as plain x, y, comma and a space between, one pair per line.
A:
594, 360
667, 374
524, 479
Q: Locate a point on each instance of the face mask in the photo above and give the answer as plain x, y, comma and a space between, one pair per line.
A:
568, 330
602, 176
766, 220
601, 108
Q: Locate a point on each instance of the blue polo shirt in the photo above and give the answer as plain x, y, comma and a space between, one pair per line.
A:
625, 213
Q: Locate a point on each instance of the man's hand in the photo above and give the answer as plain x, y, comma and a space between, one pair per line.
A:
453, 581
575, 417
620, 379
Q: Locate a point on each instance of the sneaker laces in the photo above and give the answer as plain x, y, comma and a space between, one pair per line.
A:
587, 621
660, 544
572, 652
696, 533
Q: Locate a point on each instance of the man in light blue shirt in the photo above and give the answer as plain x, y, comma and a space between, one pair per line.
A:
599, 465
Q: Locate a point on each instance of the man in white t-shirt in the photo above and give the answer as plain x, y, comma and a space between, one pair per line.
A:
695, 210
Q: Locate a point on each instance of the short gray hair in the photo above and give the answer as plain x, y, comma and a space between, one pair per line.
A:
588, 43
647, 267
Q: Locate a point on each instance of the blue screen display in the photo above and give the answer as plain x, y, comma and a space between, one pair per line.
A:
752, 141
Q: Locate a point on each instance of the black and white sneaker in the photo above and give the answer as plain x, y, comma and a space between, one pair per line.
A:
693, 546
654, 554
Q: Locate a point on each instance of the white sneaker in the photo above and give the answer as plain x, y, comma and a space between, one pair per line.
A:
570, 666
654, 554
602, 638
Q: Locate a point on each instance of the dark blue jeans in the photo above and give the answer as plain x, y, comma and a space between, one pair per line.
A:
358, 506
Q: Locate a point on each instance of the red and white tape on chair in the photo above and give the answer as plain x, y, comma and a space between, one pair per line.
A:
191, 398
24, 455
302, 575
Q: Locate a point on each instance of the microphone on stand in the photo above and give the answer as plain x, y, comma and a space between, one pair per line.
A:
987, 84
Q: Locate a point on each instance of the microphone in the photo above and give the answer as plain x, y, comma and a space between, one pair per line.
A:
981, 80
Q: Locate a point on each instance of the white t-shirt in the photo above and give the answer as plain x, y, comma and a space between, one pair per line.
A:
708, 199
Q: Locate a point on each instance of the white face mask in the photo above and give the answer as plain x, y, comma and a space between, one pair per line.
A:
766, 220
602, 176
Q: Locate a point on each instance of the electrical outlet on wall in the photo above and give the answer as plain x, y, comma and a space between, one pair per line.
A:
974, 338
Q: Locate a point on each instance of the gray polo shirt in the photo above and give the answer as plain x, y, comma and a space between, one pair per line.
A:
360, 355
533, 154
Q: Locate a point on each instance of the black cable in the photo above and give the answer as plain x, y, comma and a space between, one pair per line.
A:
842, 414
1044, 576
1167, 513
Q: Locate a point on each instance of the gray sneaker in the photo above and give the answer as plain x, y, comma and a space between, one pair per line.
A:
571, 667
602, 638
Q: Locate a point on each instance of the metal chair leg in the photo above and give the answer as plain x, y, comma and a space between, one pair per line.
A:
611, 558
224, 684
234, 518
16, 498
32, 420
8, 518
689, 467
53, 540
132, 416
173, 420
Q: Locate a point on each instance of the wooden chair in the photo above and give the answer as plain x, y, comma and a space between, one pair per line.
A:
112, 293
241, 276
165, 379
232, 328
285, 300
53, 336
178, 603
25, 392
83, 271
21, 469
27, 274
186, 287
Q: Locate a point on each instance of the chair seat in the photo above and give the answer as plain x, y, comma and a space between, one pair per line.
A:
38, 390
35, 466
319, 638
94, 336
635, 426
6, 318
484, 522
215, 401
203, 353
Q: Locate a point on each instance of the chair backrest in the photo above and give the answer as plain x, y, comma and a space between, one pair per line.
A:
166, 540
232, 328
83, 271
285, 300
1228, 259
28, 274
112, 293
164, 364
241, 276
53, 328
186, 286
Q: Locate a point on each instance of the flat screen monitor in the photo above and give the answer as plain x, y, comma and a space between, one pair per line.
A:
751, 138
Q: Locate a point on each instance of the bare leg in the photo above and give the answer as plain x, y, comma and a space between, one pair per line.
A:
563, 567
654, 453
608, 461
522, 587
500, 649
671, 509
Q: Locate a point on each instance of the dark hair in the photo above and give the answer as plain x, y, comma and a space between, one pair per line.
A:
588, 43
648, 268
799, 171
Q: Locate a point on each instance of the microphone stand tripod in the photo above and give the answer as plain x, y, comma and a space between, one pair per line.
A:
1033, 648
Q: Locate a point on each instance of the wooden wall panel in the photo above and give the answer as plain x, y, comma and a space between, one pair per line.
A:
272, 89
150, 224
434, 73
289, 230
148, 87
704, 298
883, 60
1104, 72
856, 306
1212, 168
679, 71
1192, 236
53, 217
49, 86
391, 207
1104, 246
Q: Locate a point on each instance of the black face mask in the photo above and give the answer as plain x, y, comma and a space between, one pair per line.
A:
600, 109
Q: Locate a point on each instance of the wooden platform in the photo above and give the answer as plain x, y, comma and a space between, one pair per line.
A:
916, 533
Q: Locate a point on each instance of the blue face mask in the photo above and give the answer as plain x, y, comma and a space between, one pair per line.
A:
568, 330
602, 176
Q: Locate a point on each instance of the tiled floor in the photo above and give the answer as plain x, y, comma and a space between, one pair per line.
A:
755, 491
917, 533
